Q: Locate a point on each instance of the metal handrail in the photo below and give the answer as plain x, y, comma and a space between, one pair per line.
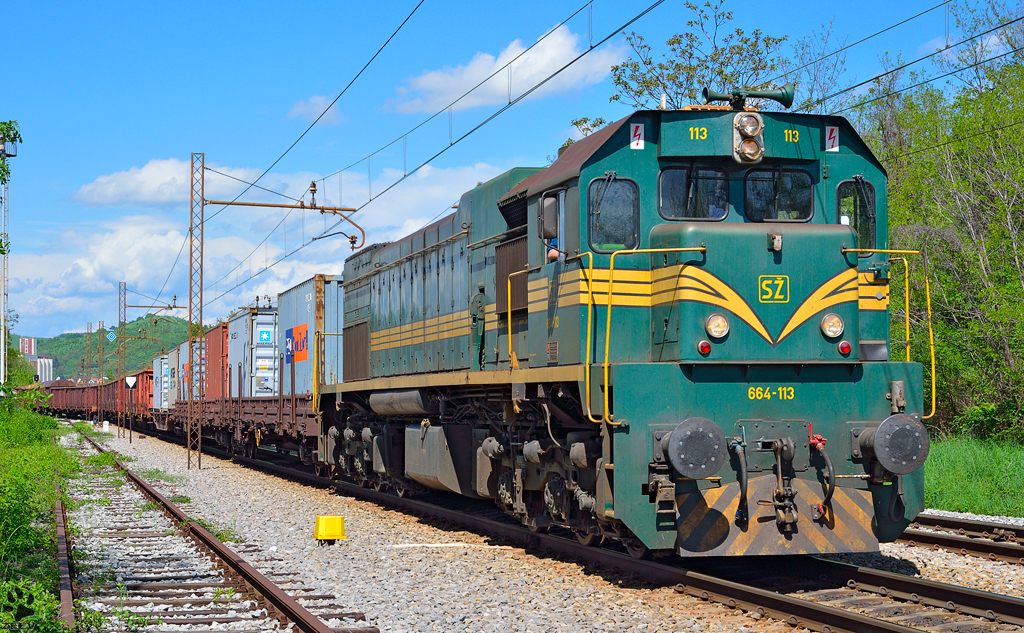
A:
608, 417
906, 298
316, 366
928, 306
590, 307
513, 362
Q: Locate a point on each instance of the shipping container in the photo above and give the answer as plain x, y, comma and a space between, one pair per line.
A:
161, 379
314, 306
184, 359
252, 345
216, 362
173, 379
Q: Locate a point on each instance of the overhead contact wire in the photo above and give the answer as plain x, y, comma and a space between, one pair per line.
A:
456, 141
860, 41
461, 97
322, 114
908, 64
406, 135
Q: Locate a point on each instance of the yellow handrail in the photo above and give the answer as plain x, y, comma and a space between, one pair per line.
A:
513, 362
608, 324
906, 297
590, 307
928, 307
316, 366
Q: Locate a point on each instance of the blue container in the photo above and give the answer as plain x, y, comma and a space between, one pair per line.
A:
313, 306
252, 344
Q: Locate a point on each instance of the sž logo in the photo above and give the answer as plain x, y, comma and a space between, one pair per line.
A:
295, 343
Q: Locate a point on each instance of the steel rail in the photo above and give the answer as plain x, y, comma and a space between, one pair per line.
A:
67, 589
981, 604
286, 605
736, 595
970, 527
980, 547
716, 587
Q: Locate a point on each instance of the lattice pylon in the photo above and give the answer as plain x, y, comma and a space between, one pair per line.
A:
122, 314
101, 332
88, 353
195, 382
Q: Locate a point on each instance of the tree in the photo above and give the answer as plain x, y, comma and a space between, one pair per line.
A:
819, 62
8, 132
707, 55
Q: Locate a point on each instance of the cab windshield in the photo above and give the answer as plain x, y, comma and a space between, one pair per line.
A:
693, 193
779, 195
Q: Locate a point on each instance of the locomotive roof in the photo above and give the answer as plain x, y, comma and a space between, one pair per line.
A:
568, 164
575, 156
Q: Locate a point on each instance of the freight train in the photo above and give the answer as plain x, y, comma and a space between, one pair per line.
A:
653, 339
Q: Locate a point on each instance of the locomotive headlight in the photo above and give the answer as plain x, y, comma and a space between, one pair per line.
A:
749, 125
750, 150
716, 325
831, 325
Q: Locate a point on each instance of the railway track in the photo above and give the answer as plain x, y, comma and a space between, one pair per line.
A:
143, 562
818, 594
979, 539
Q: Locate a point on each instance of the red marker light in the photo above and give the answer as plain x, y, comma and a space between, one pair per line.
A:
704, 347
844, 347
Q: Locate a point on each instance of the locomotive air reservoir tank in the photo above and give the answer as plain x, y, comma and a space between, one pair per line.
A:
676, 335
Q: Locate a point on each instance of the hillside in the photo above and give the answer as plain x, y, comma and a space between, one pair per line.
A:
67, 350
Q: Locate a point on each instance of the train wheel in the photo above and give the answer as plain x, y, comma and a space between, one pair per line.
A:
636, 548
588, 539
319, 469
401, 490
379, 485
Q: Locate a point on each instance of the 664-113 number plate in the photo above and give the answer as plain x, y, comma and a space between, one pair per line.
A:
771, 393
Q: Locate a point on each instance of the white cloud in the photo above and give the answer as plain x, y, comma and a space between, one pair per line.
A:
164, 182
75, 280
310, 109
434, 90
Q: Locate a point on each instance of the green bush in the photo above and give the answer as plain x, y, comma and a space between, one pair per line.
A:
30, 607
986, 420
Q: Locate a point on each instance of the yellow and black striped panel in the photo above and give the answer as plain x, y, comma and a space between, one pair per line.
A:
707, 527
873, 295
424, 331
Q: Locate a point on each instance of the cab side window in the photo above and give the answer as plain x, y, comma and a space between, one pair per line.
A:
855, 206
613, 206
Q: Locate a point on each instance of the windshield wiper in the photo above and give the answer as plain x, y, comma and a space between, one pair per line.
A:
775, 191
596, 211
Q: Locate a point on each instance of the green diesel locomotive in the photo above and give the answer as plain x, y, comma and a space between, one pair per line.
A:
676, 335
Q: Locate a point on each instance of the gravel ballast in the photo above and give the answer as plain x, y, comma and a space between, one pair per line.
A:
407, 575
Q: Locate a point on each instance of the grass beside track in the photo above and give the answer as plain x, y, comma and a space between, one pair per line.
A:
979, 476
31, 462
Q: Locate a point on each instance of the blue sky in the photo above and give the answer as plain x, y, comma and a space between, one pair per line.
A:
112, 98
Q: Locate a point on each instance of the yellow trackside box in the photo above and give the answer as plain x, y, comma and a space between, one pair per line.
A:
329, 528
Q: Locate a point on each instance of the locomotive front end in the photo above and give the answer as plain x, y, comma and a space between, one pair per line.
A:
770, 419
760, 409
